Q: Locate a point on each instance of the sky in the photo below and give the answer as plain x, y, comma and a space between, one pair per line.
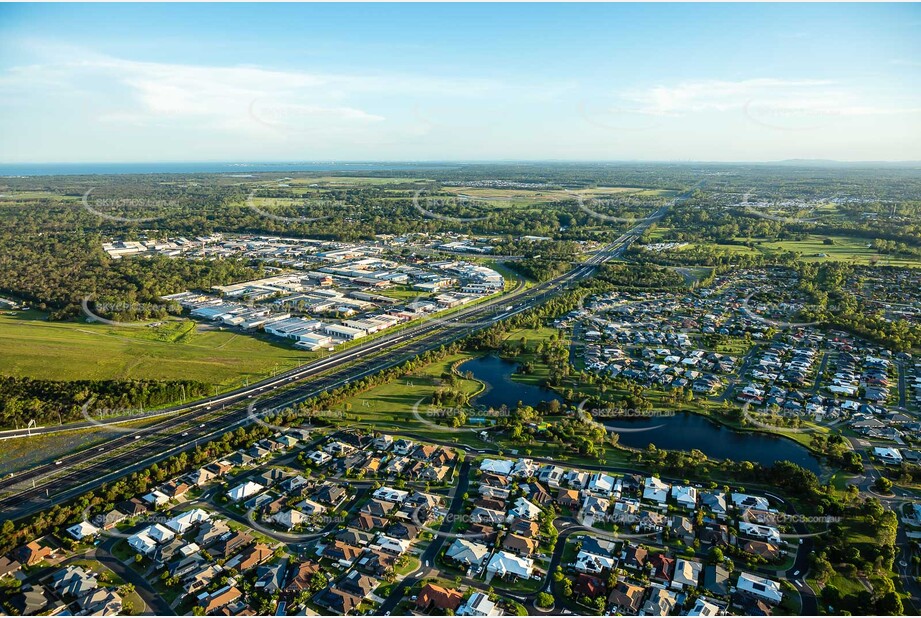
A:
459, 82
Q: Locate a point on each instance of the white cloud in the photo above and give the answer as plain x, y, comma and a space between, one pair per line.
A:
819, 97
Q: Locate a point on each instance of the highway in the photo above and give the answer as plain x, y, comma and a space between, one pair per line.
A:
186, 426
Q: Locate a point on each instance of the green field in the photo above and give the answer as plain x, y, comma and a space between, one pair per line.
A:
35, 348
845, 248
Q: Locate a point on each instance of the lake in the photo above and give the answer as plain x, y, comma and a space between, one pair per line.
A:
500, 388
682, 432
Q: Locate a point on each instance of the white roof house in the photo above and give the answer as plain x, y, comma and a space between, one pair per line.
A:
160, 534
141, 543
289, 519
601, 484
82, 530
745, 501
182, 522
888, 455
687, 573
760, 587
503, 564
591, 563
390, 494
685, 496
241, 492
704, 608
765, 533
467, 552
525, 509
479, 605
156, 498
392, 545
656, 490
502, 467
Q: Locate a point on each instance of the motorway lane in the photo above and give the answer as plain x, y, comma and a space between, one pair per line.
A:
49, 487
165, 439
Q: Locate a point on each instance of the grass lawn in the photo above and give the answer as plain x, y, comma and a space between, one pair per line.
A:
32, 347
845, 248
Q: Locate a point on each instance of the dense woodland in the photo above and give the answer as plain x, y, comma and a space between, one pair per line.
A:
50, 402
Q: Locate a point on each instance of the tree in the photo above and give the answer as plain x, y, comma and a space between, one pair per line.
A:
544, 600
883, 485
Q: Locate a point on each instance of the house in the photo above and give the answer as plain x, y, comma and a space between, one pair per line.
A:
634, 557
655, 490
595, 564
680, 527
663, 567
589, 586
702, 607
714, 501
100, 602
519, 545
687, 573
600, 484
757, 531
241, 492
760, 588
30, 601
229, 545
889, 456
768, 551
32, 553
218, 599
73, 581
716, 580
382, 442
300, 576
510, 566
211, 532
661, 602
254, 556
525, 509
626, 597
340, 602
357, 584
432, 596
744, 502
289, 519
479, 605
685, 496
184, 521
342, 552
501, 467
83, 530
568, 498
467, 552
8, 566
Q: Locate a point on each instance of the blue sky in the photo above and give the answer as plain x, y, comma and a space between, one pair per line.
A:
307, 82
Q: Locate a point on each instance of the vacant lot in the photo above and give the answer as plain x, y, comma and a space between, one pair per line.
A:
33, 347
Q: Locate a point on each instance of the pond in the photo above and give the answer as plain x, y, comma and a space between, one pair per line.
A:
682, 432
501, 389
686, 431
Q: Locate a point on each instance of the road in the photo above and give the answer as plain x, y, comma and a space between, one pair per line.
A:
46, 485
427, 559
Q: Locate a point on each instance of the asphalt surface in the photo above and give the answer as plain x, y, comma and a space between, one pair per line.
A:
44, 486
